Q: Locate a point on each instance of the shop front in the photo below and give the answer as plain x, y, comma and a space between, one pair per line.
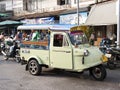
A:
102, 17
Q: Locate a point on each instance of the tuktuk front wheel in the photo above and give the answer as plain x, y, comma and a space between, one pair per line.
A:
98, 73
34, 67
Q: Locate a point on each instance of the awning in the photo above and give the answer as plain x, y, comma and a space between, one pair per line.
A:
10, 22
102, 14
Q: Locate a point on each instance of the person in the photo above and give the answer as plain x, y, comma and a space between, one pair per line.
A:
92, 39
2, 37
17, 36
35, 35
112, 37
8, 41
13, 49
24, 36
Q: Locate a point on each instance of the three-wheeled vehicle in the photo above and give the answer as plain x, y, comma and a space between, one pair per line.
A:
66, 48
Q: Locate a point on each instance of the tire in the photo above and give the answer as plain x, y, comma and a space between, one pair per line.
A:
34, 67
18, 59
98, 73
6, 57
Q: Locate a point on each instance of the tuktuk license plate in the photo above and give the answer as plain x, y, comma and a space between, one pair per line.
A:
104, 58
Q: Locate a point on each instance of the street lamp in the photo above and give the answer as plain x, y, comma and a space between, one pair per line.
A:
118, 23
78, 12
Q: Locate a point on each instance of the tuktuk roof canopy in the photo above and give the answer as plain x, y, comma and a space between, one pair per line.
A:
62, 27
79, 28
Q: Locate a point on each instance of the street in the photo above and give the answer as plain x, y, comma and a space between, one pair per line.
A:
14, 77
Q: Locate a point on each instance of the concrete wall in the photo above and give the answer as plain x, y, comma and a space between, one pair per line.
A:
83, 3
47, 3
12, 4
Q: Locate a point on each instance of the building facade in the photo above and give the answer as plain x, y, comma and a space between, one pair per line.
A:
55, 11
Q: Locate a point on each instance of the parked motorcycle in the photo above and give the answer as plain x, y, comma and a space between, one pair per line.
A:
111, 52
105, 44
11, 51
113, 55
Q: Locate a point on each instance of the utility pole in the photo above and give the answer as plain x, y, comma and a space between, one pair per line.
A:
12, 5
78, 12
118, 23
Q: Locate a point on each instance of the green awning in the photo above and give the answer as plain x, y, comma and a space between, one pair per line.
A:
3, 15
10, 22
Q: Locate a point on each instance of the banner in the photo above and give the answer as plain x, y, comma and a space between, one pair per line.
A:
72, 18
46, 20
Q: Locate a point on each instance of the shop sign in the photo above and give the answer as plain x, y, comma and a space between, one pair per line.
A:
46, 20
72, 18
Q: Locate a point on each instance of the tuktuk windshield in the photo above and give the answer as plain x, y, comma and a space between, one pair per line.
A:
78, 38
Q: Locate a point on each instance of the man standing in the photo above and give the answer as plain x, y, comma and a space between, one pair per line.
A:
92, 39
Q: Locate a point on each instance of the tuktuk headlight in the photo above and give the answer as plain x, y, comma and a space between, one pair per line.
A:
86, 52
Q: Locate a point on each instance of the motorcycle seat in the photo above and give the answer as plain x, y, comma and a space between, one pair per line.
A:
116, 49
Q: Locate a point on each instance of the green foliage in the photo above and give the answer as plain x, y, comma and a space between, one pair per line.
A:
89, 31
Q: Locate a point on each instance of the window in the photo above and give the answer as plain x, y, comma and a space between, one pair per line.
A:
29, 5
2, 7
75, 1
60, 2
58, 40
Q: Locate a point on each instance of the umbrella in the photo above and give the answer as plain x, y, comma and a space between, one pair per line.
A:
10, 22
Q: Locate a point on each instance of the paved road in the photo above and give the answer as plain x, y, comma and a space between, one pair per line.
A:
14, 77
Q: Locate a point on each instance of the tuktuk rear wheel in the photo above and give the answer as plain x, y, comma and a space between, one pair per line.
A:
34, 67
98, 73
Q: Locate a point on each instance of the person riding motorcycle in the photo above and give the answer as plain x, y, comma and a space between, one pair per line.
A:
13, 49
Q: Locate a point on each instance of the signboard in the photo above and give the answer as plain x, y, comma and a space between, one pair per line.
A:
72, 18
46, 20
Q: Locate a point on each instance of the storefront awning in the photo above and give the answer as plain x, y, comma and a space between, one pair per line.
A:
102, 14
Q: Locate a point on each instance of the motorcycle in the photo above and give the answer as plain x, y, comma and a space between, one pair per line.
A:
113, 55
10, 51
105, 44
111, 52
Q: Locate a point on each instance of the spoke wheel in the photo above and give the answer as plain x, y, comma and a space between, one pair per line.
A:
98, 72
34, 68
17, 59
